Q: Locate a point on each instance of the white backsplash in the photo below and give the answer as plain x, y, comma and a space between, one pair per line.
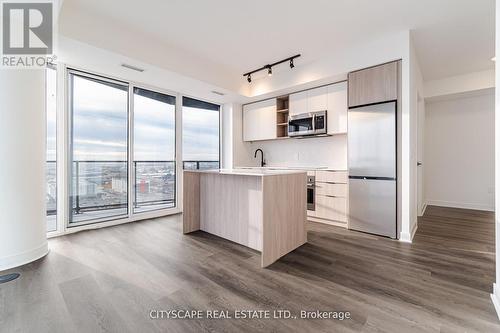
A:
312, 152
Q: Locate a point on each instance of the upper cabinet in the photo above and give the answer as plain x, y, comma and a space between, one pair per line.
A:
297, 103
332, 98
267, 120
259, 121
373, 85
337, 108
317, 99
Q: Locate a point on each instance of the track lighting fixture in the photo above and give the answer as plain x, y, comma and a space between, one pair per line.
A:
269, 67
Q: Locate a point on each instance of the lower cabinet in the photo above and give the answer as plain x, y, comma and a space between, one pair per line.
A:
331, 208
331, 198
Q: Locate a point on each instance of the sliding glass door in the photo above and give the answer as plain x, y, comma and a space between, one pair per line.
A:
154, 150
200, 134
98, 149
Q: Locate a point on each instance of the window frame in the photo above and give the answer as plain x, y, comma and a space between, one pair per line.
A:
63, 108
132, 140
69, 166
219, 129
53, 67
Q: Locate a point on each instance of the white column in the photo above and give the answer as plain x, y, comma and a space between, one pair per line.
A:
226, 132
22, 167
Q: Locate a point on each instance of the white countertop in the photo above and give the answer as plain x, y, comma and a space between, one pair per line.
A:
259, 172
304, 168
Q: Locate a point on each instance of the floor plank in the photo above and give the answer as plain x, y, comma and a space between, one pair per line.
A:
108, 280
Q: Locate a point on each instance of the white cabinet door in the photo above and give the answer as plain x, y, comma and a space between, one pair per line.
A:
259, 121
297, 103
337, 108
317, 99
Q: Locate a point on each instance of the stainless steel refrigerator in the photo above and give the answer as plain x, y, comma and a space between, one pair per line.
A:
372, 169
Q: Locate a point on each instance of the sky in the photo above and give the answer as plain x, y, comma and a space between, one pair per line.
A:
100, 125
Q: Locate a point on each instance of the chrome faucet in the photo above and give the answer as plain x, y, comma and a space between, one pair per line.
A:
262, 162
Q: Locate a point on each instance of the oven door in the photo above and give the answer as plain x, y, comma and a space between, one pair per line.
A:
311, 202
302, 124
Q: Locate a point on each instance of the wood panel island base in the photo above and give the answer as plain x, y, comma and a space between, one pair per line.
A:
262, 209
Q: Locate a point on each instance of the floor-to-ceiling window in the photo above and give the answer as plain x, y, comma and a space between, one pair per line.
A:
200, 134
98, 148
154, 150
51, 156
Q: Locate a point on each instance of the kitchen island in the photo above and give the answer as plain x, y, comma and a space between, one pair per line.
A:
265, 210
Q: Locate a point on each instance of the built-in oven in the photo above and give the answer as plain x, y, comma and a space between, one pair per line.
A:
304, 124
311, 202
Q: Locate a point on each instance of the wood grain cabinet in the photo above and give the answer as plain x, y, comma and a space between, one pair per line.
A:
331, 208
373, 85
259, 121
331, 198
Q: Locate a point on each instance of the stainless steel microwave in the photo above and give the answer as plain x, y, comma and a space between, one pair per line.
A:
304, 124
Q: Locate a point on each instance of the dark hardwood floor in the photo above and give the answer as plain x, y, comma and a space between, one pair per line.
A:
108, 280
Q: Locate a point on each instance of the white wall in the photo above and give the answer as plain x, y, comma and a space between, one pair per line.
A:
460, 84
387, 48
312, 152
459, 152
87, 57
410, 97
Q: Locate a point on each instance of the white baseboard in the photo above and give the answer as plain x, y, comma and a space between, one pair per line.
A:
460, 205
422, 210
407, 237
24, 258
495, 298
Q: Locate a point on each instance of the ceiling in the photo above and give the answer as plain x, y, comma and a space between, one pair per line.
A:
230, 37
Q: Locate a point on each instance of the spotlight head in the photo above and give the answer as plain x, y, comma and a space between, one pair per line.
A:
291, 63
269, 71
249, 78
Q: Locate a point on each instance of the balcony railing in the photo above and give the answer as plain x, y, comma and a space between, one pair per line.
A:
103, 185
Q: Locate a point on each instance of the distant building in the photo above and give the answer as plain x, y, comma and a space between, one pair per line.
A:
86, 188
119, 184
52, 190
144, 187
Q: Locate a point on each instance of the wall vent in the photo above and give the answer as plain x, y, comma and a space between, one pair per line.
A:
133, 68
